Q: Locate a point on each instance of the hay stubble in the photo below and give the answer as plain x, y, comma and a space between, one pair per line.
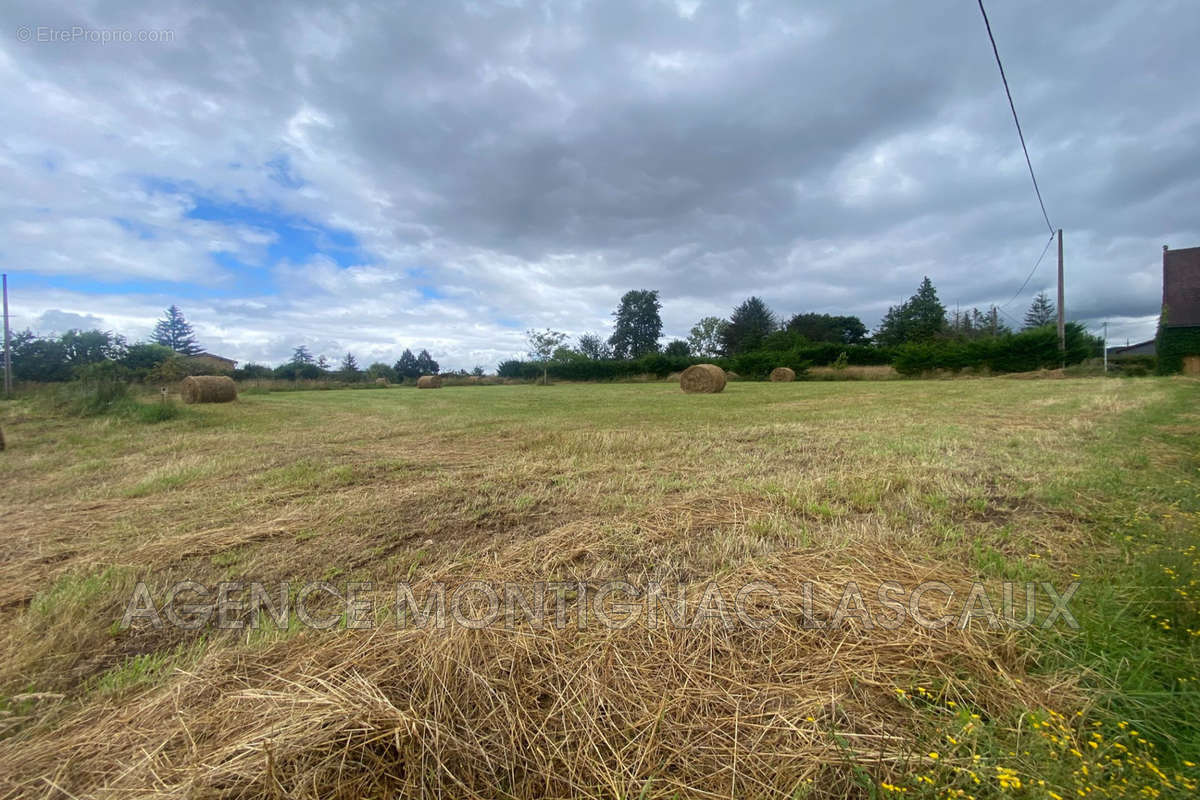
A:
857, 482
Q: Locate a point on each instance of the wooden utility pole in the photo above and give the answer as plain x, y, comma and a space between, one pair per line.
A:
7, 343
1105, 348
1062, 317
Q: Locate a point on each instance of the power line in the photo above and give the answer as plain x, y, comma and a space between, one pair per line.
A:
1018, 323
1029, 277
1020, 134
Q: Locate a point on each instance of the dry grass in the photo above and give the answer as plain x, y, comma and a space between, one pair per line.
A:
871, 373
833, 483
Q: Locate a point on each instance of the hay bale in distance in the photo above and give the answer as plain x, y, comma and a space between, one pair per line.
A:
783, 374
673, 377
429, 382
208, 389
730, 375
381, 381
702, 379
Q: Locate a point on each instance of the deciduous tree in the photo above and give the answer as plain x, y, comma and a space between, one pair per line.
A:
638, 324
829, 328
678, 348
707, 336
594, 347
542, 345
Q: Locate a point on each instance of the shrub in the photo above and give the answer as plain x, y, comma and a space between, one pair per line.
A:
297, 371
1015, 352
757, 364
143, 358
253, 372
151, 413
100, 388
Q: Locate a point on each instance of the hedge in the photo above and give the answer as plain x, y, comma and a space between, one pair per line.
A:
1015, 352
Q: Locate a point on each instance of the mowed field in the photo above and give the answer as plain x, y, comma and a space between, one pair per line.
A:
815, 485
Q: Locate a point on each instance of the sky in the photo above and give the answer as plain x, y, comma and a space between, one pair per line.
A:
369, 177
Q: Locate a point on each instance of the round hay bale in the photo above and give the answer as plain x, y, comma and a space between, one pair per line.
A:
730, 375
702, 379
783, 374
381, 381
673, 377
208, 389
429, 382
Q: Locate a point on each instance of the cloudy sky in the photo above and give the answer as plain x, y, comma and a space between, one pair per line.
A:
374, 176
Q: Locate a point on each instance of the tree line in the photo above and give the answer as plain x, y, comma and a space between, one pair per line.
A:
172, 352
916, 335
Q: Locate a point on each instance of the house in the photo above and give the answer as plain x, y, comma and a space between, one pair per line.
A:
1178, 342
214, 362
1145, 348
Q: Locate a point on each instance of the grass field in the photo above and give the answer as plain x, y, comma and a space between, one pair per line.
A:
823, 483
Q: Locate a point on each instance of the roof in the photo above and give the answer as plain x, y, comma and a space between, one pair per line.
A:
1146, 348
214, 355
1181, 286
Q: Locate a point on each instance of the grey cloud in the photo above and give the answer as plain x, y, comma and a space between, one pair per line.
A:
56, 321
538, 159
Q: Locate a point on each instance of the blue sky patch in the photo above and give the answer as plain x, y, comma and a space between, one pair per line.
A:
143, 232
297, 239
279, 169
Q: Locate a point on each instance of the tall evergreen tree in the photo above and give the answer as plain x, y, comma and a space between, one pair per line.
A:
406, 366
918, 319
1041, 312
425, 364
749, 324
349, 370
173, 331
976, 324
301, 355
638, 324
927, 312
